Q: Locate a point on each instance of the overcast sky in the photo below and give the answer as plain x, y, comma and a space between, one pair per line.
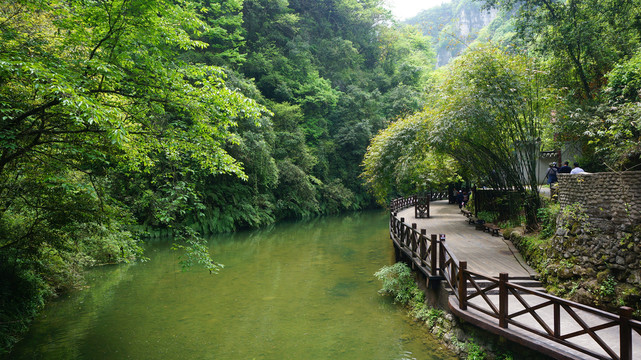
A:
404, 9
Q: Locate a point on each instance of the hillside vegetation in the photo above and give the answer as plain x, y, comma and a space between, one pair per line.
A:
123, 119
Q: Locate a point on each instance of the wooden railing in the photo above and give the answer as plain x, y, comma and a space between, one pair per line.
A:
416, 245
575, 314
434, 258
399, 204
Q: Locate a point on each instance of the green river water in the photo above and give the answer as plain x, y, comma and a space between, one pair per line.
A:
301, 290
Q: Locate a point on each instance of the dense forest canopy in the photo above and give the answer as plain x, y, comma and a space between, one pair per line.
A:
124, 119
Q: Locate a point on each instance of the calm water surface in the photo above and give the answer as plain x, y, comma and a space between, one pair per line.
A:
301, 290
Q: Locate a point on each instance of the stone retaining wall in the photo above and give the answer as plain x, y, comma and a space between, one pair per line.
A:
599, 226
611, 197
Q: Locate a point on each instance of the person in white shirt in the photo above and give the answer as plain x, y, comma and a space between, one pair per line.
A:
576, 169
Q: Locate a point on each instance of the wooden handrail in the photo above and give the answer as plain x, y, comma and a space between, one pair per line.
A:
401, 203
458, 277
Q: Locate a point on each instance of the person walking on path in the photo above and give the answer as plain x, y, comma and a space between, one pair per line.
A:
459, 199
551, 174
577, 169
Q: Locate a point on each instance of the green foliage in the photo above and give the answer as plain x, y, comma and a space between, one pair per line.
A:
474, 352
22, 295
581, 39
224, 34
331, 85
574, 217
398, 162
193, 117
547, 216
398, 282
428, 314
93, 95
624, 81
505, 356
196, 251
491, 111
488, 216
489, 115
615, 135
608, 287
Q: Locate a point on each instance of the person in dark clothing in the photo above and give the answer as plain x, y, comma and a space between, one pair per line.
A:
565, 169
459, 199
551, 174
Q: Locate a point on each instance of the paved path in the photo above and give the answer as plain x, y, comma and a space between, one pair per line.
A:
491, 255
483, 252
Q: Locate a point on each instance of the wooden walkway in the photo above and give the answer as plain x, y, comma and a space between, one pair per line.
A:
483, 252
560, 329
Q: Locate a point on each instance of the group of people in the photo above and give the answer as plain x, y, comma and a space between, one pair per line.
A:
553, 171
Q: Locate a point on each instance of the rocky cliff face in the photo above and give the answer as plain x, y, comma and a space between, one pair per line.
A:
467, 24
453, 26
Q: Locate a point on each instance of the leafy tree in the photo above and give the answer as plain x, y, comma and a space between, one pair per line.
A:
615, 135
400, 162
224, 34
345, 73
582, 38
489, 115
120, 92
624, 81
91, 92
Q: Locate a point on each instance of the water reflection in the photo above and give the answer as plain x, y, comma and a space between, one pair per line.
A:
294, 291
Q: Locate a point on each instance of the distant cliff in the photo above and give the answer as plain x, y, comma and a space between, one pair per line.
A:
454, 26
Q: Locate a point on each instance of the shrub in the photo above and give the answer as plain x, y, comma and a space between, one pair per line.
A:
488, 216
547, 216
427, 314
22, 294
398, 282
474, 352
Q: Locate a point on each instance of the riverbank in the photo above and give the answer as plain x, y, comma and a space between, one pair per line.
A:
429, 309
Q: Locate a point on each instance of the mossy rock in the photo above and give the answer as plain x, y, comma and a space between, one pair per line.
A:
601, 276
583, 296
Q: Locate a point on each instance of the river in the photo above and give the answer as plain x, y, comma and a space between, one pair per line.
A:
300, 290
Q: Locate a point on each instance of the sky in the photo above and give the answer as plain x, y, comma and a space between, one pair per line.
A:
404, 9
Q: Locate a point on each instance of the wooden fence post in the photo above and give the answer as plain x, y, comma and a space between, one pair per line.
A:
625, 332
503, 299
462, 285
412, 243
422, 245
402, 232
441, 253
433, 254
